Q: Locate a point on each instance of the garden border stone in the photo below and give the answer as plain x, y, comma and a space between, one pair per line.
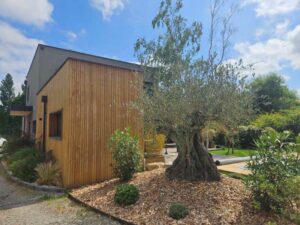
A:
118, 219
36, 187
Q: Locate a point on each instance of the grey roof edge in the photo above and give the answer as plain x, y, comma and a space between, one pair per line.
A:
105, 60
21, 108
100, 59
81, 60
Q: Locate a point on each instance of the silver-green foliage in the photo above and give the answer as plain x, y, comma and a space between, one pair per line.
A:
189, 89
125, 153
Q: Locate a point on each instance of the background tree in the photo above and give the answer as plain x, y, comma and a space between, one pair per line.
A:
189, 91
7, 92
272, 94
9, 125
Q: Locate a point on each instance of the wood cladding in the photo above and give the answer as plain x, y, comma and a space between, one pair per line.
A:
95, 101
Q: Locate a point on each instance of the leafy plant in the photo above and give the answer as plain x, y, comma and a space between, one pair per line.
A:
178, 211
48, 173
126, 194
23, 162
126, 153
276, 161
290, 197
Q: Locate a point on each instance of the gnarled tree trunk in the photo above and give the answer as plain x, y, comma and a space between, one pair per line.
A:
193, 161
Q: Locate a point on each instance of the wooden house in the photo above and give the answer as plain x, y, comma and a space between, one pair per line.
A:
73, 111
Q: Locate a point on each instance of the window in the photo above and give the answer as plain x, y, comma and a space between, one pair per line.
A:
55, 124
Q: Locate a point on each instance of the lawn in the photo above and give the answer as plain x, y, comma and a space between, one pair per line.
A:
236, 152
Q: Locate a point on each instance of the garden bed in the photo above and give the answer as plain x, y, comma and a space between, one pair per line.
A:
224, 202
33, 186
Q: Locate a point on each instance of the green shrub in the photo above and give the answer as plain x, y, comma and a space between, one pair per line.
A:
22, 153
15, 144
126, 194
281, 121
48, 173
178, 211
248, 135
126, 154
276, 161
23, 163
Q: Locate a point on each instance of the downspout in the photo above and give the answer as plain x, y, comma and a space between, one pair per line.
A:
44, 100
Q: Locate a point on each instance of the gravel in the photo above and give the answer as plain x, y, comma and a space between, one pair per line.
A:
22, 206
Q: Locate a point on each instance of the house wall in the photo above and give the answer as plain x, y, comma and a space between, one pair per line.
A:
95, 101
47, 61
58, 92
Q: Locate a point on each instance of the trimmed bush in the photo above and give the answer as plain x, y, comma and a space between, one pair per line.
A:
48, 174
23, 163
126, 194
178, 211
276, 161
126, 154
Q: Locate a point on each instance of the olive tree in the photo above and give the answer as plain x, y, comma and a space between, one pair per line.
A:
189, 90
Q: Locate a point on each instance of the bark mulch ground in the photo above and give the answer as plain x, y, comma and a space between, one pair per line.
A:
224, 202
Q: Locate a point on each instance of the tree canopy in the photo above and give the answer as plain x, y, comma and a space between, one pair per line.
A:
188, 90
7, 92
9, 125
272, 94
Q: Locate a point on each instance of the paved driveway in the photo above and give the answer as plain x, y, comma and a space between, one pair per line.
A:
22, 206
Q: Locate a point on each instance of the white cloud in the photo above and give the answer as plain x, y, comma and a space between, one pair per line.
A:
274, 7
71, 36
274, 54
16, 53
33, 12
282, 28
108, 7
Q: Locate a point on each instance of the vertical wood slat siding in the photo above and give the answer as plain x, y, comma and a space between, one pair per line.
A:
57, 91
94, 99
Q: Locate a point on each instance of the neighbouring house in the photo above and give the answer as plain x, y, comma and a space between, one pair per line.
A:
74, 102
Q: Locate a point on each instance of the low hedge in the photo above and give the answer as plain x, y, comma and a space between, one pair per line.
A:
23, 162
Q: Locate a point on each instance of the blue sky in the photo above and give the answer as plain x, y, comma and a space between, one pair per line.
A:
268, 31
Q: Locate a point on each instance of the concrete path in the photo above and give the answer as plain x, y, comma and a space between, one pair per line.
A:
22, 206
239, 168
172, 154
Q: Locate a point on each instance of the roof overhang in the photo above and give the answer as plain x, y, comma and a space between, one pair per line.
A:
20, 110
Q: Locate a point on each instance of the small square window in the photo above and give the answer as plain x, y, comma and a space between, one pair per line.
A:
55, 124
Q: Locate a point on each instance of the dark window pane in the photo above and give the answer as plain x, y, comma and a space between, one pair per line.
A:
55, 124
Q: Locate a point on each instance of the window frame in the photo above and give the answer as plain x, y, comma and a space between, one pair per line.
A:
51, 134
